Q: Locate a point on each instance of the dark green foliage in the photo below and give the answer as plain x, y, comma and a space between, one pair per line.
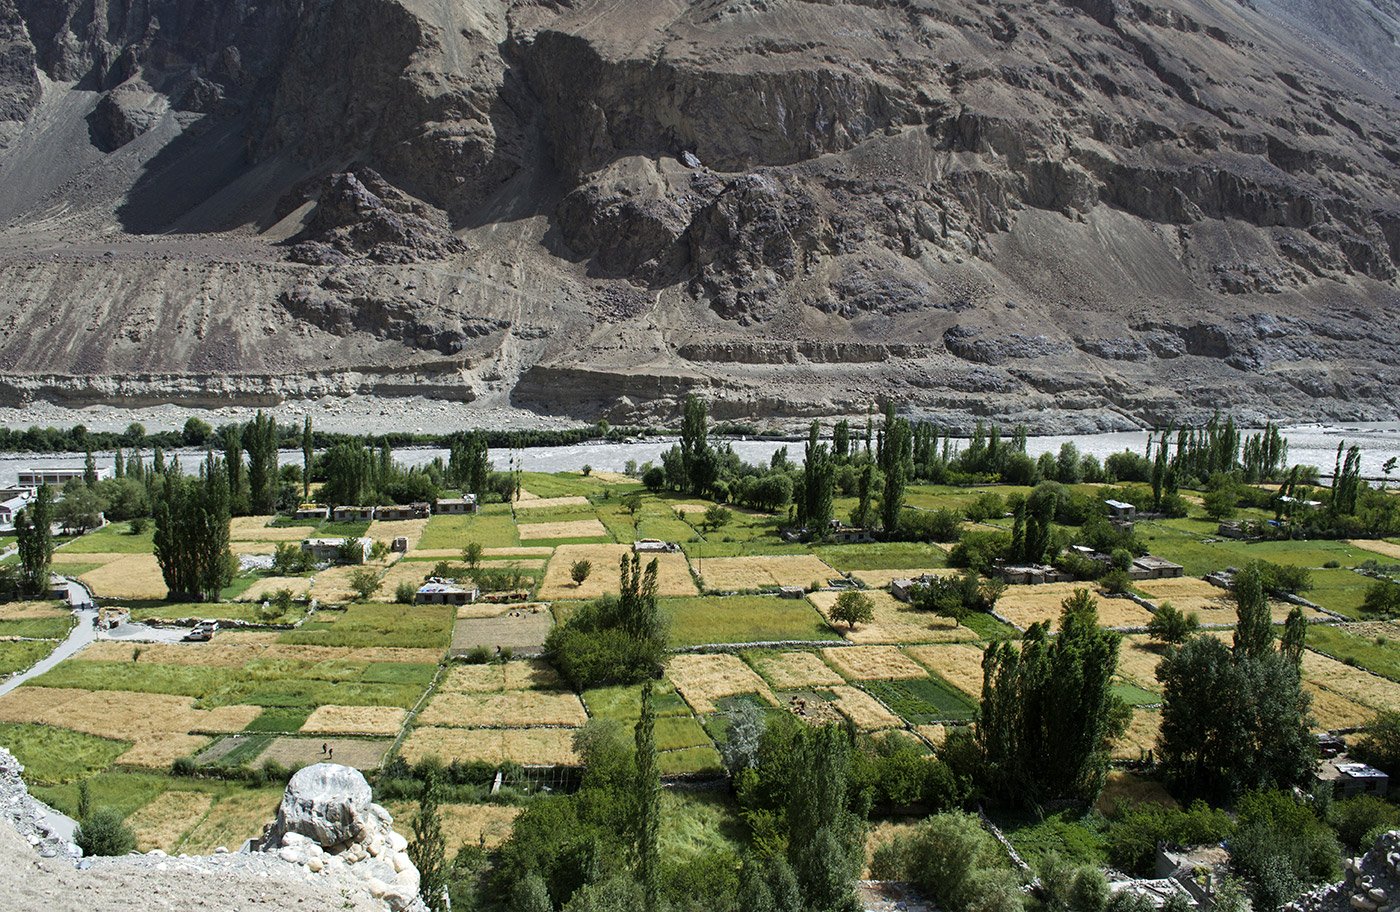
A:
1380, 746
1356, 819
957, 596
1254, 634
896, 773
1171, 625
428, 849
895, 457
818, 486
260, 440
1285, 579
469, 463
705, 883
980, 550
1281, 848
1134, 834
852, 608
613, 640
957, 864
103, 832
1048, 714
1067, 887
1382, 598
648, 796
192, 532
930, 525
923, 700
34, 531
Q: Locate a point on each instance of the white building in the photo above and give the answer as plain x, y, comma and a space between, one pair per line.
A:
58, 476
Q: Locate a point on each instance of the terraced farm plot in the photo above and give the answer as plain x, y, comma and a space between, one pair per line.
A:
52, 755
923, 701
529, 674
793, 670
463, 824
881, 579
269, 586
127, 576
624, 702
387, 530
564, 529
162, 822
1138, 658
864, 711
492, 528
526, 746
1377, 546
361, 753
213, 654
743, 619
114, 538
411, 572
706, 679
354, 720
1124, 788
1351, 683
672, 579
19, 655
236, 818
893, 622
332, 585
958, 664
1141, 735
1331, 711
1373, 647
873, 663
256, 528
34, 611
515, 709
553, 503
740, 574
1027, 605
372, 625
518, 627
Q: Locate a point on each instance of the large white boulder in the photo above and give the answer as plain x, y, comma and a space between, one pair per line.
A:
327, 803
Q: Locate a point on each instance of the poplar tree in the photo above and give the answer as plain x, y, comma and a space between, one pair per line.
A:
894, 456
233, 462
1254, 633
428, 848
261, 444
648, 786
34, 531
192, 532
697, 462
308, 452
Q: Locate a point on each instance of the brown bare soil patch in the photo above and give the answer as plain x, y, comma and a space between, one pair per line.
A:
29, 611
266, 588
361, 753
518, 627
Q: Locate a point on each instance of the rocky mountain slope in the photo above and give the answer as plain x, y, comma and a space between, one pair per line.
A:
1071, 212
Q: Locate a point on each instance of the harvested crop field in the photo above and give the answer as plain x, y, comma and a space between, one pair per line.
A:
513, 709
130, 576
704, 680
332, 586
411, 572
577, 528
865, 712
672, 577
354, 720
388, 530
530, 674
212, 654
163, 821
873, 663
463, 824
738, 574
1125, 788
547, 503
1352, 683
159, 752
256, 528
958, 664
1141, 735
526, 746
266, 588
513, 626
893, 622
1377, 546
881, 579
1027, 605
793, 670
361, 753
238, 817
1138, 658
933, 734
32, 611
1332, 711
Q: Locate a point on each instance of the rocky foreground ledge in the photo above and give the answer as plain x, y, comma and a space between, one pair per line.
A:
1372, 883
330, 847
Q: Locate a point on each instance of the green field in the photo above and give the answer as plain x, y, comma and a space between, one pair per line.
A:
52, 756
114, 538
923, 700
624, 702
428, 626
490, 528
1380, 655
1183, 541
742, 619
18, 655
55, 628
1133, 695
690, 760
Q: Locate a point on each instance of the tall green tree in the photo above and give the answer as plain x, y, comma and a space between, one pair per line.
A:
90, 470
818, 485
894, 457
260, 440
232, 435
697, 460
648, 793
1048, 715
192, 532
308, 453
1254, 632
428, 848
34, 531
825, 838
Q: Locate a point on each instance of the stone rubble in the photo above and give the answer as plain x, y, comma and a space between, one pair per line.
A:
46, 830
1372, 883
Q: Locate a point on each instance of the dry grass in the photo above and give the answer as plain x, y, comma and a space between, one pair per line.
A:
516, 627
1211, 604
360, 753
514, 709
131, 576
672, 577
531, 674
411, 572
1138, 658
703, 680
1352, 683
893, 622
256, 528
251, 547
873, 663
933, 734
726, 574
266, 588
387, 531
332, 586
164, 820
960, 665
526, 746
30, 611
1332, 711
578, 528
76, 557
159, 752
881, 579
1141, 735
545, 503
1124, 788
519, 551
794, 670
1389, 549
215, 655
883, 833
865, 712
236, 818
355, 720
1027, 605
463, 824
421, 655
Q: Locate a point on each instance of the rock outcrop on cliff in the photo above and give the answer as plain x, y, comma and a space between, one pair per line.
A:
1083, 212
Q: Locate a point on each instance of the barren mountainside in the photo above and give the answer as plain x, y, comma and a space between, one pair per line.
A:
1068, 212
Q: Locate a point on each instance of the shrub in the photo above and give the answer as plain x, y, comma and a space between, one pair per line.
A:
1171, 625
478, 655
978, 550
953, 860
1116, 582
988, 505
364, 581
853, 608
1357, 818
580, 570
405, 593
184, 766
103, 832
1133, 836
930, 525
1382, 597
137, 525
1285, 578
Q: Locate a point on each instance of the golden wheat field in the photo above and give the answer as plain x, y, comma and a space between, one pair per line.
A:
575, 528
530, 674
865, 712
159, 751
1138, 658
793, 670
728, 574
267, 587
873, 663
411, 572
1353, 683
332, 585
354, 720
1333, 711
526, 746
893, 622
387, 530
131, 576
1212, 605
166, 818
1141, 735
1027, 605
463, 824
934, 734
1124, 788
30, 611
215, 655
958, 664
703, 680
492, 610
881, 579
672, 572
1389, 549
61, 556
256, 528
514, 709
240, 817
548, 503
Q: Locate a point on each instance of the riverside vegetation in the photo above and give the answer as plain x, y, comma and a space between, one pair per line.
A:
852, 732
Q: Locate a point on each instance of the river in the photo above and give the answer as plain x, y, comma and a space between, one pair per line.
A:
1313, 444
